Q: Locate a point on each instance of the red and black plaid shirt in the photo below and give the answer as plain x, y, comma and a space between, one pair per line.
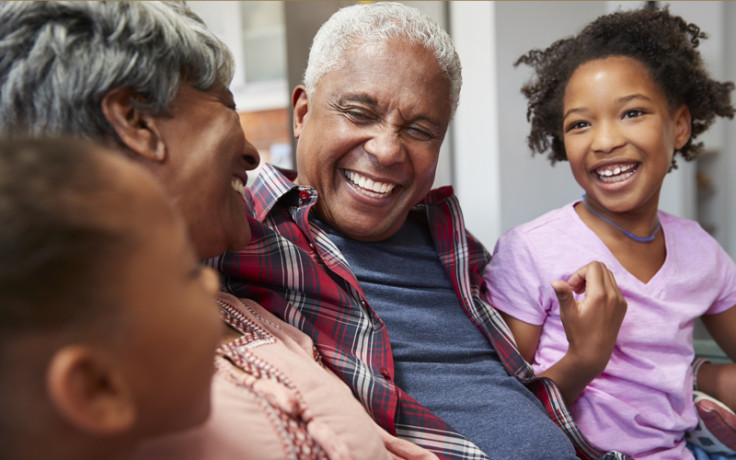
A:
293, 269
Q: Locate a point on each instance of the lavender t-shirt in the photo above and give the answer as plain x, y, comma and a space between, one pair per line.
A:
642, 403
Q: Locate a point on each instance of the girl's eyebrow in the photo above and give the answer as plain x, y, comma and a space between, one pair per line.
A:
620, 100
574, 110
634, 96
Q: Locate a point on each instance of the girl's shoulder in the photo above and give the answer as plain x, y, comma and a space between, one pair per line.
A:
679, 227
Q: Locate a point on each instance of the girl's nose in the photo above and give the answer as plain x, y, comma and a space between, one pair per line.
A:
606, 137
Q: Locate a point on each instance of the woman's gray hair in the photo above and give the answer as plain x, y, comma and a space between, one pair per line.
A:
59, 59
375, 22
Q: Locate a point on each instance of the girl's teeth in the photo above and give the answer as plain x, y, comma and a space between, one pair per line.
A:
623, 171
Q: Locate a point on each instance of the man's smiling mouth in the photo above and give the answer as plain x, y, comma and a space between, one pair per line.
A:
368, 186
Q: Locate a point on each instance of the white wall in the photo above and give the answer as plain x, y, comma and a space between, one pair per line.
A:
729, 149
475, 139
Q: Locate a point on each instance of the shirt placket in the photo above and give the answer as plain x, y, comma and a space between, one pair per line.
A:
372, 367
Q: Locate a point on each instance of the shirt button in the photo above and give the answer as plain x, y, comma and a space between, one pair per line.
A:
385, 373
304, 195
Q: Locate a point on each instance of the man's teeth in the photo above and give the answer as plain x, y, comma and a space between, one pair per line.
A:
369, 186
238, 185
617, 173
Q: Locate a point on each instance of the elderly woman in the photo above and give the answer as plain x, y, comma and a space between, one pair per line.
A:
152, 80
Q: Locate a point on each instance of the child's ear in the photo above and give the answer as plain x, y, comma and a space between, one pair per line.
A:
89, 392
300, 104
683, 125
139, 131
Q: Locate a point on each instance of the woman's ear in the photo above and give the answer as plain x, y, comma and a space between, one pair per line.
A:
138, 131
683, 126
89, 392
300, 104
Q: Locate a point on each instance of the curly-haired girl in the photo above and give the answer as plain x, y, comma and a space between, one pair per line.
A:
619, 101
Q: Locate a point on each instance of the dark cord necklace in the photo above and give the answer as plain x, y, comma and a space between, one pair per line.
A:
640, 239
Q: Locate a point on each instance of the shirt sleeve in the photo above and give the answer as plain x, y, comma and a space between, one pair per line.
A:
727, 269
513, 279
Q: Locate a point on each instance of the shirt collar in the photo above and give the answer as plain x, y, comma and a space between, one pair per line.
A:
269, 187
437, 196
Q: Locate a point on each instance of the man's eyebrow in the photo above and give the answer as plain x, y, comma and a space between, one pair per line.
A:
358, 97
372, 102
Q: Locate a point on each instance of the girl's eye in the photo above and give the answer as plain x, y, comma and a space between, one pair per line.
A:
633, 113
577, 125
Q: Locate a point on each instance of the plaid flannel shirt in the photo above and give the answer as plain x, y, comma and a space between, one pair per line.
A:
293, 269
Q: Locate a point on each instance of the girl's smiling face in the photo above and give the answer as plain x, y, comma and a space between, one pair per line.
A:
620, 134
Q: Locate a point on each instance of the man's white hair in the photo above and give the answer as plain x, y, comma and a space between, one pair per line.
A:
377, 22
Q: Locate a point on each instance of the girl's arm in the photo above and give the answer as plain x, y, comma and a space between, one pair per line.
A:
525, 335
591, 327
719, 380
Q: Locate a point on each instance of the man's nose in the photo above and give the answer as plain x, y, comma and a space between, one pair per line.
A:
385, 145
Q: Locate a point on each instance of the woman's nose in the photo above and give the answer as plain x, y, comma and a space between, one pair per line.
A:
251, 155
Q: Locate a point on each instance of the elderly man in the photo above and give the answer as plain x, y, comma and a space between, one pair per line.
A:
357, 250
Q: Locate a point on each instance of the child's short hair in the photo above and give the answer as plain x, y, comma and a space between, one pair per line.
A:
664, 43
55, 244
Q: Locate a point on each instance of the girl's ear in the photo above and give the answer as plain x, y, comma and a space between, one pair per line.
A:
89, 392
138, 131
683, 125
300, 104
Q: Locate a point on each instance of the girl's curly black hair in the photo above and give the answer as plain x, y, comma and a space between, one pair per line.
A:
664, 43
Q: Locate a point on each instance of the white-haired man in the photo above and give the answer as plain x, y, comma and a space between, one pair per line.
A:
355, 248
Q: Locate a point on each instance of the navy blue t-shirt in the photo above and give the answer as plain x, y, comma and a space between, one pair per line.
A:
441, 358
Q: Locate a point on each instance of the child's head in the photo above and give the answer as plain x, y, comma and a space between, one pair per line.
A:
108, 323
664, 44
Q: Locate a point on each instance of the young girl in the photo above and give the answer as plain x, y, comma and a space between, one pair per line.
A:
93, 261
618, 101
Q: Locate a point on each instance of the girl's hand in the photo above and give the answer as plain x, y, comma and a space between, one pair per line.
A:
591, 326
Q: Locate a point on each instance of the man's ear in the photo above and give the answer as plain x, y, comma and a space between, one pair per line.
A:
300, 104
89, 392
683, 126
138, 131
